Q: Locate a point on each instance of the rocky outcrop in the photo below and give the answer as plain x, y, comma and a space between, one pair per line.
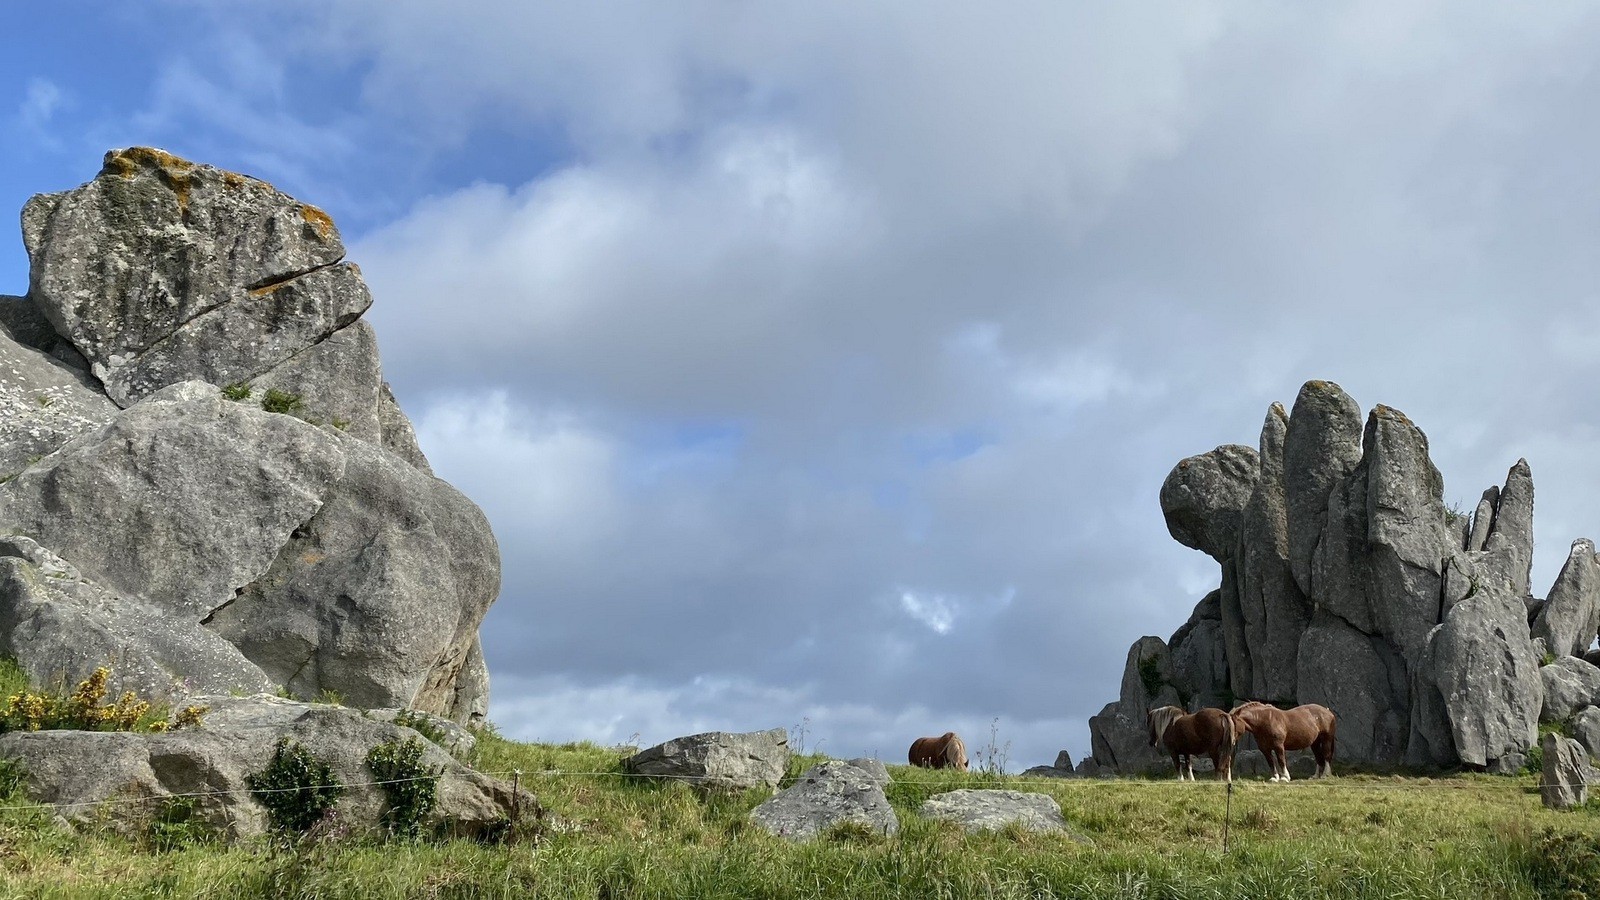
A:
1569, 684
717, 759
828, 794
282, 534
992, 810
1120, 733
77, 770
1569, 620
1345, 581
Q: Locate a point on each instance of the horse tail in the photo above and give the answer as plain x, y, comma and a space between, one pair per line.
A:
1230, 731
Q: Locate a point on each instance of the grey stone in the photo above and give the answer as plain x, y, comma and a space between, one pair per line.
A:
717, 759
1586, 729
992, 810
1198, 655
43, 405
450, 736
22, 321
352, 571
1273, 610
1064, 760
338, 381
74, 770
826, 795
1565, 778
1061, 768
1570, 684
1570, 619
1088, 767
1483, 518
235, 342
154, 243
1509, 547
1484, 666
1363, 680
1119, 735
1320, 450
1204, 498
397, 434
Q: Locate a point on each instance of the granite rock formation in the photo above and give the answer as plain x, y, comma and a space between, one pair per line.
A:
205, 482
1346, 581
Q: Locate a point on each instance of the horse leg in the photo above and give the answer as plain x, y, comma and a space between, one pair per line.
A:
1283, 763
1177, 764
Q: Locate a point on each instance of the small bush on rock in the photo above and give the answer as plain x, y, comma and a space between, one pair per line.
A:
410, 786
296, 787
237, 391
276, 401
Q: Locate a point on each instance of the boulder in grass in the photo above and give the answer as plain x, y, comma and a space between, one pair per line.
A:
992, 810
718, 759
828, 794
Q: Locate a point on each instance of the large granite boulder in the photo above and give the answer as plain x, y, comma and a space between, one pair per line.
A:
327, 563
1570, 619
161, 271
992, 810
718, 759
826, 795
1569, 684
1120, 734
76, 770
203, 540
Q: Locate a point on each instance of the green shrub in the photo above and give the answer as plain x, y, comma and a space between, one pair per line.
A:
1564, 864
237, 391
410, 785
296, 787
13, 774
421, 724
1150, 674
276, 401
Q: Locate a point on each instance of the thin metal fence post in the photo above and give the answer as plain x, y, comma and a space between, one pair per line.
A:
1227, 818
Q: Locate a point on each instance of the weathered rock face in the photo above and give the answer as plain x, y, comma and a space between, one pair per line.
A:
161, 271
827, 794
1564, 781
198, 543
718, 759
74, 770
352, 571
992, 810
1120, 734
1346, 582
1569, 685
1569, 621
1586, 730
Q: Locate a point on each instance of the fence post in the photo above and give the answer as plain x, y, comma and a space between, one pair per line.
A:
1227, 818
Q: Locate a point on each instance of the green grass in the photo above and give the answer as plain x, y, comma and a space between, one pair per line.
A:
612, 836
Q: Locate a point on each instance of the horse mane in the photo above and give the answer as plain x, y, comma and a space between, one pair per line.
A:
1162, 719
955, 752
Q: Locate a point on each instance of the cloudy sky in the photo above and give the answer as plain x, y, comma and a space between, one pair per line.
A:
818, 364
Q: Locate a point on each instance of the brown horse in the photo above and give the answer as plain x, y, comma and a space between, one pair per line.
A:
1209, 731
944, 752
1277, 730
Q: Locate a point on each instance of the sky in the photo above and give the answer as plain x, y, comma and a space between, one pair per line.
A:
818, 364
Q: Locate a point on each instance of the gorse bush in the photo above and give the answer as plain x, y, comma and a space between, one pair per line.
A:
82, 710
410, 786
296, 787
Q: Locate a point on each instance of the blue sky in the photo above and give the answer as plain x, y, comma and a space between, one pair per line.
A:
823, 362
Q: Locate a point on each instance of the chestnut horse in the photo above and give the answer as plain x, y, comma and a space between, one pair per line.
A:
945, 752
1277, 730
1209, 731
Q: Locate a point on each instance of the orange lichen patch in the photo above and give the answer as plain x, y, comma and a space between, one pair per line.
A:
317, 219
174, 171
266, 289
312, 559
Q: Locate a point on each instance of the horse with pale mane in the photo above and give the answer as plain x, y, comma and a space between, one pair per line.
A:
1277, 730
1209, 731
943, 752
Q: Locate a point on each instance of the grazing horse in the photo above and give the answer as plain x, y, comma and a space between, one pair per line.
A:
944, 752
1209, 731
1277, 730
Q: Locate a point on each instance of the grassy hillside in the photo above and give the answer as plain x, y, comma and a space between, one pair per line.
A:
618, 837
